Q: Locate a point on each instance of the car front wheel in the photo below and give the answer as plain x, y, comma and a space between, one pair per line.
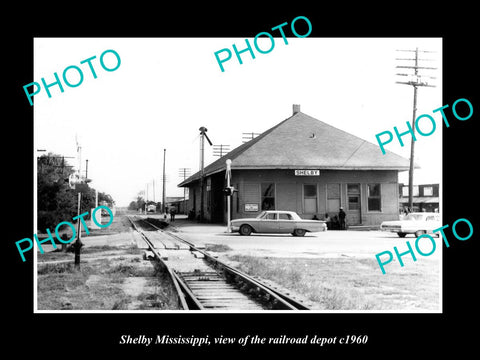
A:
245, 230
402, 235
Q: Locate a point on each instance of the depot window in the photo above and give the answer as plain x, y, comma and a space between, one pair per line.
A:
268, 196
310, 198
374, 197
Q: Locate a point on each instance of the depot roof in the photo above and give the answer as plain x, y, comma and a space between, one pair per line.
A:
303, 142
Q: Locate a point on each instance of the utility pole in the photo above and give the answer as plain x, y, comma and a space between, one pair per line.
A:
153, 190
416, 80
184, 172
163, 192
203, 135
228, 174
79, 157
77, 245
220, 150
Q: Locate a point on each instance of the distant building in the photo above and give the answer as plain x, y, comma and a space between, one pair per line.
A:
425, 197
307, 166
176, 201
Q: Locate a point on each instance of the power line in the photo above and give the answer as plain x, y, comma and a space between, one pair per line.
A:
416, 79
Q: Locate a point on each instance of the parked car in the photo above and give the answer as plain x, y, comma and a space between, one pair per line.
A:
413, 223
277, 221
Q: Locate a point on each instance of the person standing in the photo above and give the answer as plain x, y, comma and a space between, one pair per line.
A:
172, 213
341, 216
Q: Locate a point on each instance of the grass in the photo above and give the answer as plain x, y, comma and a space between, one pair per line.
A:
111, 277
161, 298
100, 284
350, 283
95, 249
62, 287
56, 268
217, 247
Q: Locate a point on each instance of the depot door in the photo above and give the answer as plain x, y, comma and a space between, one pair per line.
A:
333, 199
353, 205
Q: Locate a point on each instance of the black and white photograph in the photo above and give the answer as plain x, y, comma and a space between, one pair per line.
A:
261, 189
258, 188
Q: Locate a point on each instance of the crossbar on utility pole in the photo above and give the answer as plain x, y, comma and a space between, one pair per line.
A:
246, 137
220, 150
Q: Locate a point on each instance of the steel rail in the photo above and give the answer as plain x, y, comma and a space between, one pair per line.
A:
193, 302
174, 278
284, 301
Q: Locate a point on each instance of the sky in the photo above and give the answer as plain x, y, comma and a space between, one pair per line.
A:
165, 89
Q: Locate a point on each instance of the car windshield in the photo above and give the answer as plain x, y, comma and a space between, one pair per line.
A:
261, 215
416, 217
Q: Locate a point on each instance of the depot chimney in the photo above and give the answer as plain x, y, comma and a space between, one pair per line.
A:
296, 108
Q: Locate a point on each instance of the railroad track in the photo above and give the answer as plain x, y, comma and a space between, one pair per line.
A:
202, 281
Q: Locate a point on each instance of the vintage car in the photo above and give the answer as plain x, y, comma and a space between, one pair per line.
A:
276, 221
413, 223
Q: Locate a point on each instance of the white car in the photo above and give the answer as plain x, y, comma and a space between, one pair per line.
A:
277, 221
414, 223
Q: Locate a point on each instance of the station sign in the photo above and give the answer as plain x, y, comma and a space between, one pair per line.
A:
307, 172
251, 207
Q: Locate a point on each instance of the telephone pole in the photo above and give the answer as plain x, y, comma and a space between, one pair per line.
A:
416, 80
163, 192
153, 190
184, 172
220, 150
228, 175
203, 135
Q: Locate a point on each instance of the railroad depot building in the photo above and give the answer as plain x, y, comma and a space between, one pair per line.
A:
302, 165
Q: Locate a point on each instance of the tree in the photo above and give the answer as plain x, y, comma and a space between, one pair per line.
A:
137, 204
132, 205
105, 198
56, 201
140, 202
